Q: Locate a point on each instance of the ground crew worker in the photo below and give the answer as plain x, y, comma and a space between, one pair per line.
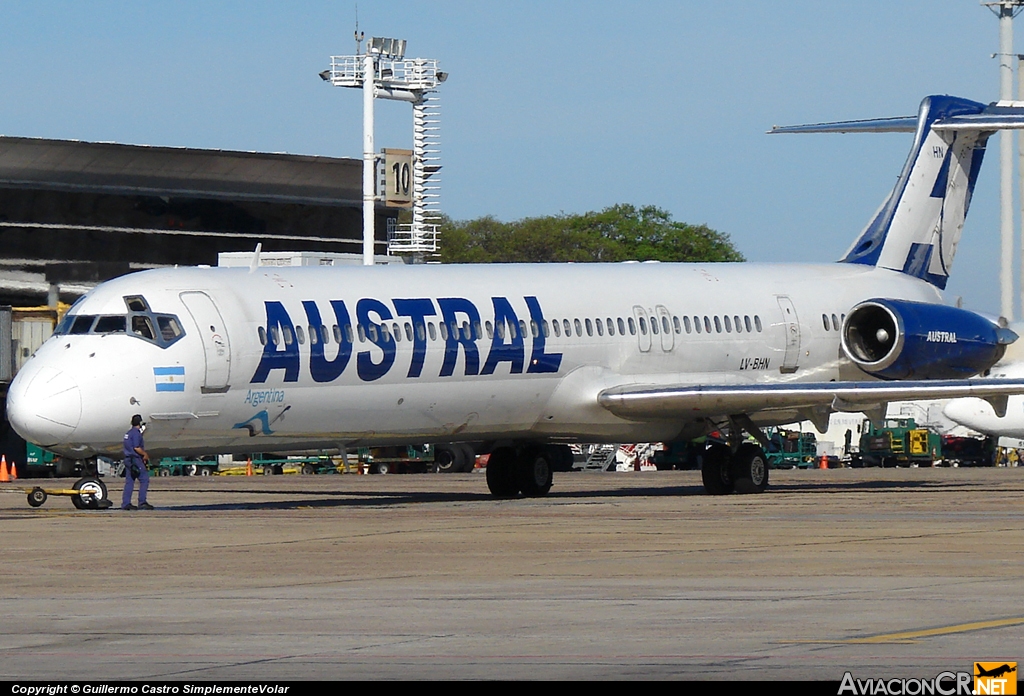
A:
135, 461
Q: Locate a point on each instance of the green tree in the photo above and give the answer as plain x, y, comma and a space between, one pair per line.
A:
618, 233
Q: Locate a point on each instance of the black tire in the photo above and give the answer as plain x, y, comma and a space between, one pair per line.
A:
561, 457
93, 492
206, 471
36, 497
384, 468
164, 472
750, 469
533, 468
268, 470
308, 469
468, 458
715, 471
501, 473
448, 459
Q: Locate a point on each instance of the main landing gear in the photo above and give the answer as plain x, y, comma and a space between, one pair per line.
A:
744, 470
526, 469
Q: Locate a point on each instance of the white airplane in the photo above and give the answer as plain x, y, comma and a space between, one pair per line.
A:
979, 415
522, 359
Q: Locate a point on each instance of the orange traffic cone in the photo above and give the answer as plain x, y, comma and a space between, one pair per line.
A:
248, 467
4, 478
823, 464
14, 471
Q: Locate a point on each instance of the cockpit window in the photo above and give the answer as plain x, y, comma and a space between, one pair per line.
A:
113, 324
141, 322
136, 303
143, 326
170, 330
82, 324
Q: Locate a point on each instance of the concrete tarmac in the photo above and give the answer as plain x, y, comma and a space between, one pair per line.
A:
883, 573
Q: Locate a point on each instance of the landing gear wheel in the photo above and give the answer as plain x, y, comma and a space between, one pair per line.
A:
561, 457
750, 469
501, 473
36, 497
715, 470
92, 494
468, 458
449, 459
534, 472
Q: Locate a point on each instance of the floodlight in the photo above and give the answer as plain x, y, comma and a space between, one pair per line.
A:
325, 76
441, 76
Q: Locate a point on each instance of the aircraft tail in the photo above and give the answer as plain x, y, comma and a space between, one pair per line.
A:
918, 226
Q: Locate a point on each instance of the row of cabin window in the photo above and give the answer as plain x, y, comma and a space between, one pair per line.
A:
837, 322
734, 323
473, 330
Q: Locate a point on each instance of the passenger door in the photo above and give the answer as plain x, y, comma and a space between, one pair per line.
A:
214, 335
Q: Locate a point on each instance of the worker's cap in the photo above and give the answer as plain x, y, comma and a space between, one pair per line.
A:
137, 420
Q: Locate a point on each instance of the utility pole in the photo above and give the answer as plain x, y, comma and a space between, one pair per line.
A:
1006, 10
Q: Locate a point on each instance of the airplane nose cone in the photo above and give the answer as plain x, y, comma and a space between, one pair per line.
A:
44, 406
969, 411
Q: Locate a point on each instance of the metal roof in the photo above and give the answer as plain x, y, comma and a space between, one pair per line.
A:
113, 168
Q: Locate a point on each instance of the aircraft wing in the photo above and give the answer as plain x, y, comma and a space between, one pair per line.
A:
644, 402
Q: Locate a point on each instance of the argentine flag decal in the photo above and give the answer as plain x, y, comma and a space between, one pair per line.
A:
169, 379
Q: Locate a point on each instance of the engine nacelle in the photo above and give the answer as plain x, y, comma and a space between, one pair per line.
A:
898, 339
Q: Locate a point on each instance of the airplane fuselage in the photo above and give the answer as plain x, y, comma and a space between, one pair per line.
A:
306, 358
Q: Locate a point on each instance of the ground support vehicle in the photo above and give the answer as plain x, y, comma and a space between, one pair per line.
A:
86, 493
899, 442
968, 451
417, 459
182, 466
40, 462
789, 449
679, 455
275, 465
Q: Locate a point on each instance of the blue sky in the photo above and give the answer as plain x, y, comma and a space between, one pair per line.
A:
551, 106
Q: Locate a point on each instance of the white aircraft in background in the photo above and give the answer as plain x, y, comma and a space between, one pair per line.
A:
522, 359
979, 415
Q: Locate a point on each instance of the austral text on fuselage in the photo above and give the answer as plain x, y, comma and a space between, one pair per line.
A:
459, 326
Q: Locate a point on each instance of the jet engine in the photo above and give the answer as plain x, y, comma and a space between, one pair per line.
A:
899, 339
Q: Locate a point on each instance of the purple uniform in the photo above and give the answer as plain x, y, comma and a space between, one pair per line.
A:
133, 439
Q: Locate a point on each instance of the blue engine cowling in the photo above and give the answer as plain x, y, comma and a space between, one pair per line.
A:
898, 339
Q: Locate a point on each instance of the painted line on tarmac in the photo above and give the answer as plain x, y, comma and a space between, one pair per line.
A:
913, 636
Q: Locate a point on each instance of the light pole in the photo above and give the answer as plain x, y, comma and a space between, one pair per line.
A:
383, 72
1006, 10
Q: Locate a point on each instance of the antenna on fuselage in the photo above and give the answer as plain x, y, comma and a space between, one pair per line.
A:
256, 258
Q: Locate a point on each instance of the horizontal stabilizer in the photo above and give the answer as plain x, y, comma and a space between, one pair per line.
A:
642, 402
898, 124
994, 117
982, 122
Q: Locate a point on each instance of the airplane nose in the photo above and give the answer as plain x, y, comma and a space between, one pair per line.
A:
969, 411
44, 406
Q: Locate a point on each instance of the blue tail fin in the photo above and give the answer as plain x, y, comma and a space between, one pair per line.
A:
918, 227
